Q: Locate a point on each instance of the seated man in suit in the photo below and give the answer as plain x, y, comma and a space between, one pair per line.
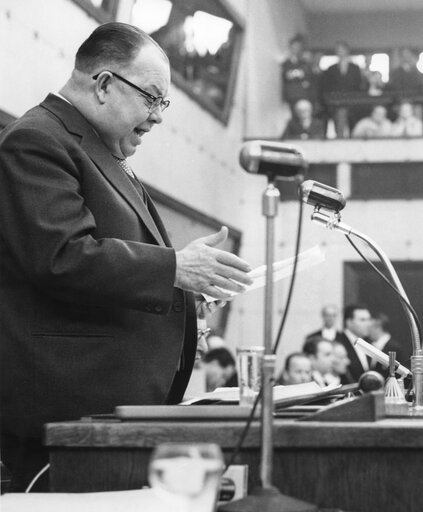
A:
97, 308
320, 352
328, 331
297, 369
357, 319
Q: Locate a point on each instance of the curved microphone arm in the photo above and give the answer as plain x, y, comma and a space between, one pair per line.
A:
334, 222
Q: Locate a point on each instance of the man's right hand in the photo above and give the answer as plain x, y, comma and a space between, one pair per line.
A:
200, 267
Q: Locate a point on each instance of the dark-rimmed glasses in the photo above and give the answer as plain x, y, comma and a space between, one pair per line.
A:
155, 101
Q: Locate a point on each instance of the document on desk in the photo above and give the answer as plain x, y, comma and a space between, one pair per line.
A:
281, 269
280, 393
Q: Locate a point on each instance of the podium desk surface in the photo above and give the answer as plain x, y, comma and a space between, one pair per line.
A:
355, 466
390, 432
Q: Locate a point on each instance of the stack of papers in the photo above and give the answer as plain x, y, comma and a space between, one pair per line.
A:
280, 393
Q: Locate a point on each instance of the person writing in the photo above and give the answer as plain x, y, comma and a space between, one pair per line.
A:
98, 309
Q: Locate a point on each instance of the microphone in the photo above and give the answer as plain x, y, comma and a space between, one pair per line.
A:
381, 357
272, 158
322, 196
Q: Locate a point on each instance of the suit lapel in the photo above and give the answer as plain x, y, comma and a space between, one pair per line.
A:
75, 123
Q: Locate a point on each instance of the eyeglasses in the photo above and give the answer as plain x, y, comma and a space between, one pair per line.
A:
154, 101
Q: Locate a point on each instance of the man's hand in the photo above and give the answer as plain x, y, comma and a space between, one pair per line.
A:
200, 267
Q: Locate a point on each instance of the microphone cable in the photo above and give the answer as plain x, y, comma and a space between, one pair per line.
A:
390, 284
278, 337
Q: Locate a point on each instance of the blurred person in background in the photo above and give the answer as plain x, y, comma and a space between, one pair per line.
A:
407, 124
405, 78
341, 362
296, 73
297, 370
381, 338
329, 329
374, 126
303, 125
320, 353
338, 81
219, 365
357, 320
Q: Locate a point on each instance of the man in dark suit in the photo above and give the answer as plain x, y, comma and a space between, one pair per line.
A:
382, 339
357, 319
97, 307
339, 81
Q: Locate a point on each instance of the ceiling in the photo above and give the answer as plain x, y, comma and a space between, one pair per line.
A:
344, 6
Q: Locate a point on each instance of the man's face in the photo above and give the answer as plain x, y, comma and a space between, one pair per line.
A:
329, 315
299, 371
323, 360
125, 112
341, 360
216, 375
359, 324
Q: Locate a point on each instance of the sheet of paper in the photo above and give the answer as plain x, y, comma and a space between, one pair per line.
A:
281, 269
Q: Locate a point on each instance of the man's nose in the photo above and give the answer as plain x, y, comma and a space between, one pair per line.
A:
156, 115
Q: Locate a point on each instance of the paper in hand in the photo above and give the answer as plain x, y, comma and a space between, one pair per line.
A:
281, 270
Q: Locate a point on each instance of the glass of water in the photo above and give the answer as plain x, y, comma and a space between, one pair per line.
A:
187, 475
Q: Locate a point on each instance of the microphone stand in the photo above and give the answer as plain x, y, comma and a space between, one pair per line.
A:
267, 498
334, 222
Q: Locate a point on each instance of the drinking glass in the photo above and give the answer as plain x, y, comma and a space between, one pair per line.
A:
187, 475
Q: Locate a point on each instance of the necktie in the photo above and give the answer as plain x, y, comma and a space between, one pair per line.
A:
123, 164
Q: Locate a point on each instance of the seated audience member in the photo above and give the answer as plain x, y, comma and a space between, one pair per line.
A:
320, 352
357, 320
328, 331
219, 365
296, 73
340, 365
303, 125
381, 338
297, 370
375, 85
374, 126
407, 124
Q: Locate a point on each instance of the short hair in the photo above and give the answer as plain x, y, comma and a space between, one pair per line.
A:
221, 355
291, 357
116, 43
351, 309
311, 345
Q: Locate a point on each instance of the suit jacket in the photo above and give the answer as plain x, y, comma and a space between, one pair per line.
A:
355, 368
319, 334
335, 81
90, 317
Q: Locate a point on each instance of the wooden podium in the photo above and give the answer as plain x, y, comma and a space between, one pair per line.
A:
357, 466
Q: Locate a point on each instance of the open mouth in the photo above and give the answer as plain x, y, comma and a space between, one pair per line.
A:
139, 131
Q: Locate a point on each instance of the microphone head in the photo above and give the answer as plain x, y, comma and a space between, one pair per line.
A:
321, 195
272, 158
371, 381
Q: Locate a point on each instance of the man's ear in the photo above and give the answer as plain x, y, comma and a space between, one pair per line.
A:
102, 86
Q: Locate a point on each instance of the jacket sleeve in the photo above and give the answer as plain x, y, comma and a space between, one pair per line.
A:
48, 232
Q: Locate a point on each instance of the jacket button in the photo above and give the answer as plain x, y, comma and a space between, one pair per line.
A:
158, 308
178, 306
